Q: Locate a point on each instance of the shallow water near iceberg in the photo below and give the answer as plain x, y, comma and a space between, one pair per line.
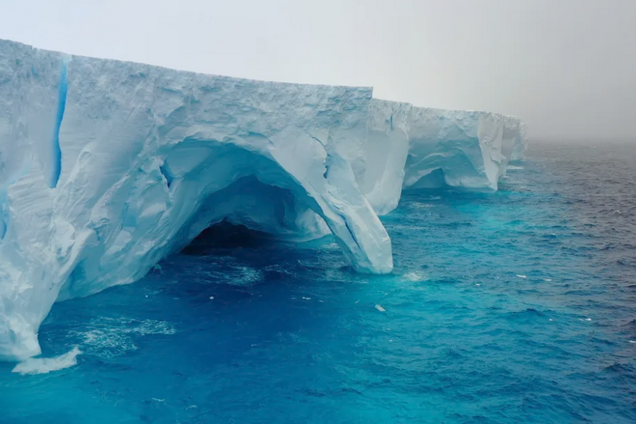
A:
511, 307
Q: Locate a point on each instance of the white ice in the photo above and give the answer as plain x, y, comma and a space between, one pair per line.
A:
47, 365
107, 167
410, 147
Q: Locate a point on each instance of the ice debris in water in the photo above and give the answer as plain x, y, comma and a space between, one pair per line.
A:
46, 365
143, 159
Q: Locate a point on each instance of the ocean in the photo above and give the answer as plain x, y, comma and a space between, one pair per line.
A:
512, 307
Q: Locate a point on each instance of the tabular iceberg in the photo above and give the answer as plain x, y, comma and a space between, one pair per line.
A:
410, 147
107, 167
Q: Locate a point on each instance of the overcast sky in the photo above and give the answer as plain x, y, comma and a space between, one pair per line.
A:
567, 67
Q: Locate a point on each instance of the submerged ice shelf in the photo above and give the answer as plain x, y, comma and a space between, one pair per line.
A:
107, 167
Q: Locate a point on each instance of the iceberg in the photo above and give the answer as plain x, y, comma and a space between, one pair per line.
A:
519, 144
107, 167
411, 147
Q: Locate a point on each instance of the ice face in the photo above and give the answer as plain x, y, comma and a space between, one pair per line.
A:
388, 145
107, 167
520, 144
410, 147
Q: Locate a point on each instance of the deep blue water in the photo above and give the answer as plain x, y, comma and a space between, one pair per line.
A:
514, 307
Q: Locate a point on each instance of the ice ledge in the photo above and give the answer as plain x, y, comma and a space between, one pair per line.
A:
107, 167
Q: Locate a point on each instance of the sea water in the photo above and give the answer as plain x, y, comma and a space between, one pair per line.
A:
512, 307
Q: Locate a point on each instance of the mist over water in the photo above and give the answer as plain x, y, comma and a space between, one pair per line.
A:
511, 307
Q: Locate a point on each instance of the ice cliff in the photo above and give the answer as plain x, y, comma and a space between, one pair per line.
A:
107, 167
410, 147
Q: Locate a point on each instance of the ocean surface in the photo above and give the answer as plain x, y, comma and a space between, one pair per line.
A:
513, 307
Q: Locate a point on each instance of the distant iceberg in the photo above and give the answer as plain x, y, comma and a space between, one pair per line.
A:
410, 147
107, 167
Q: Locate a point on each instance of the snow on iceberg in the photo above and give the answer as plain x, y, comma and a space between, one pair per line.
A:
107, 167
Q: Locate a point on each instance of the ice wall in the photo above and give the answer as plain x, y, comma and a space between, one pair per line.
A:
520, 144
107, 167
411, 147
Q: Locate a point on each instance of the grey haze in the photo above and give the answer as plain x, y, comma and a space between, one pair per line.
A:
567, 67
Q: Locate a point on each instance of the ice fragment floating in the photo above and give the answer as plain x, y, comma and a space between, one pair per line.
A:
47, 365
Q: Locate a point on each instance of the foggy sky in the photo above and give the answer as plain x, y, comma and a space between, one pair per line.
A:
566, 67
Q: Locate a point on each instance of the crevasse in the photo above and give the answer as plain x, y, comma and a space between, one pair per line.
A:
143, 159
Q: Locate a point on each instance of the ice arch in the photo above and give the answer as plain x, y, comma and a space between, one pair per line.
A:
106, 167
115, 165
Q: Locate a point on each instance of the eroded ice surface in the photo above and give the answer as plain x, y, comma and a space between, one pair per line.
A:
107, 167
411, 147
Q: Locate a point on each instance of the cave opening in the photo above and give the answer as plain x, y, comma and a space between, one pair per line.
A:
226, 235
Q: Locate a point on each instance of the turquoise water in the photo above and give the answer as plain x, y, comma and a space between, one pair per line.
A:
511, 307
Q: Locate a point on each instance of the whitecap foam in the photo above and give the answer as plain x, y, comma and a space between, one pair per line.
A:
110, 337
422, 205
415, 276
250, 275
34, 366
